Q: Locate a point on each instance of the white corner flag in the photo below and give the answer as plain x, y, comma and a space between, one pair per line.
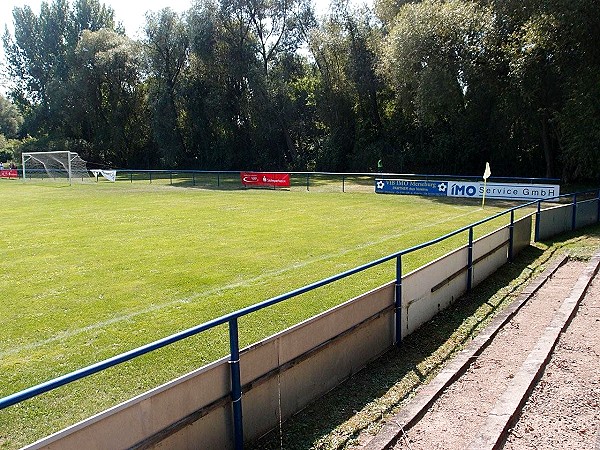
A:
486, 175
487, 172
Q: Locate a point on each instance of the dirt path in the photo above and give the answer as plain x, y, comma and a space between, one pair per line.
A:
564, 408
563, 411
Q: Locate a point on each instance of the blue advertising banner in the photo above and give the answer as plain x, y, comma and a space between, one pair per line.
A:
506, 191
412, 187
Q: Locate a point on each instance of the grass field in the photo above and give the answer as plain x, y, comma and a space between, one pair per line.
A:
90, 271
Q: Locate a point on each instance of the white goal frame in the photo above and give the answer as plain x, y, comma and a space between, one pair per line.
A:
56, 164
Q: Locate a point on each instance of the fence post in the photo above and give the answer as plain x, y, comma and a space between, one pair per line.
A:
537, 221
511, 235
150, 177
194, 179
219, 179
470, 261
343, 183
170, 178
598, 212
307, 181
398, 301
236, 385
574, 218
131, 177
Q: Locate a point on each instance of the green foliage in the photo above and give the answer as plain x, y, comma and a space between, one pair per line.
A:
167, 50
11, 119
439, 58
427, 86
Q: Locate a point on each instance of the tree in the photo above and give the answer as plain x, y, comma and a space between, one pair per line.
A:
40, 57
347, 97
107, 97
167, 49
532, 53
10, 118
10, 124
439, 58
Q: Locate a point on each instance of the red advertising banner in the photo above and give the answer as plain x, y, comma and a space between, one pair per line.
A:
265, 179
9, 173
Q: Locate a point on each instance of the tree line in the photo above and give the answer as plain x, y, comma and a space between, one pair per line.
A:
426, 86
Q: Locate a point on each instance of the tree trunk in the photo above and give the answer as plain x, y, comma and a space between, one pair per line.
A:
547, 145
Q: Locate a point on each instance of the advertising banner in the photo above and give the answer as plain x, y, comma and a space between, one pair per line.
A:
504, 191
411, 187
474, 189
9, 173
265, 179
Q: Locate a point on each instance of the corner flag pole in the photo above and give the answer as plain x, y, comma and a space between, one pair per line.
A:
486, 175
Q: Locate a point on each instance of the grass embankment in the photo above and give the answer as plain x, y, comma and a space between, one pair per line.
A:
379, 391
91, 271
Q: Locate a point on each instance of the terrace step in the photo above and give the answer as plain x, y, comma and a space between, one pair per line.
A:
475, 400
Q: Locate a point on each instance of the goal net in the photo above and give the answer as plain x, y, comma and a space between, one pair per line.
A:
59, 165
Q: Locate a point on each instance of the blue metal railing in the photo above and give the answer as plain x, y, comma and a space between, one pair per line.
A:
232, 318
300, 179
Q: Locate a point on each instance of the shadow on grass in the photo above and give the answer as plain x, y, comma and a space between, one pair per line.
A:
419, 359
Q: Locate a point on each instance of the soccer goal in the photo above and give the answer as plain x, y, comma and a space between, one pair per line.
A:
58, 165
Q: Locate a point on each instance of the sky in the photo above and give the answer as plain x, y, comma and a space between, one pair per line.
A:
130, 12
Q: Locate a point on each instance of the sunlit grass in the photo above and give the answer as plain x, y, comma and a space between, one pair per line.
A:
90, 271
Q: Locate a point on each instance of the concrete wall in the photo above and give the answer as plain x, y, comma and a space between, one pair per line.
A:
431, 288
421, 300
559, 219
587, 213
281, 374
522, 234
285, 372
554, 221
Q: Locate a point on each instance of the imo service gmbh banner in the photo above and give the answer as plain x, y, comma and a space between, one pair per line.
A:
504, 191
411, 187
265, 179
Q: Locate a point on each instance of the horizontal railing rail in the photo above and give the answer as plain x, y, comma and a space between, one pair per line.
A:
232, 318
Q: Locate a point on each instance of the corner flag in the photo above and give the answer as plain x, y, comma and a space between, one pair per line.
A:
487, 172
486, 175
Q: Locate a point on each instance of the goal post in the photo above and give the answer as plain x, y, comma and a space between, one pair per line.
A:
56, 165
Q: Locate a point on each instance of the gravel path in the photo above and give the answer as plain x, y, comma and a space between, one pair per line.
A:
563, 407
563, 411
462, 409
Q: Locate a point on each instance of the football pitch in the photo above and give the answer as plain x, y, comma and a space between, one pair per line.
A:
94, 270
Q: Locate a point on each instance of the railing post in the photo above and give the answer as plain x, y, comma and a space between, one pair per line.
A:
307, 181
219, 179
511, 235
343, 183
398, 300
537, 221
170, 178
131, 177
470, 261
598, 205
574, 218
236, 385
150, 177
